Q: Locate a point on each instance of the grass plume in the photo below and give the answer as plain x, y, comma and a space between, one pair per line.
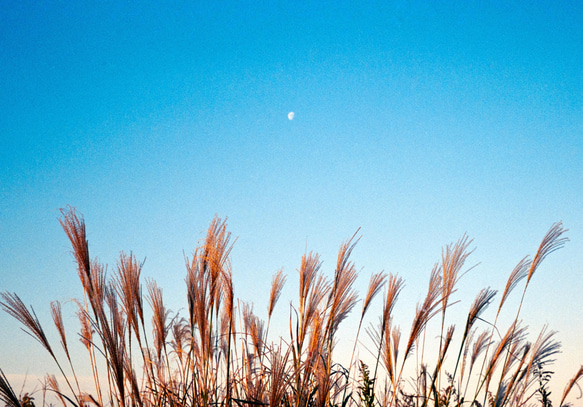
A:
222, 354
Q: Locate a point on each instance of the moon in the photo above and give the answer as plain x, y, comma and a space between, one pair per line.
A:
290, 115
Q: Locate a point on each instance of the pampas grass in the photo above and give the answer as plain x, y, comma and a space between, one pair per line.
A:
220, 353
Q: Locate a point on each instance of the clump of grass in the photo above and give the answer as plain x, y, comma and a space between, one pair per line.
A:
7, 394
220, 352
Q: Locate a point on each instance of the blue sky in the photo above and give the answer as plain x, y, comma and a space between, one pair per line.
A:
416, 121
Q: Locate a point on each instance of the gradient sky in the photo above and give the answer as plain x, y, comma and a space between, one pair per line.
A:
416, 121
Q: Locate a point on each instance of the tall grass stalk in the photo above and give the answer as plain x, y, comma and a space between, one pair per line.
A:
220, 353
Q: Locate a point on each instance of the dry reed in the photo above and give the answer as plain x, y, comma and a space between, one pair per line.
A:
211, 358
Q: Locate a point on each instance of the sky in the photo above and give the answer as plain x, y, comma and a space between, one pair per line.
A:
417, 122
